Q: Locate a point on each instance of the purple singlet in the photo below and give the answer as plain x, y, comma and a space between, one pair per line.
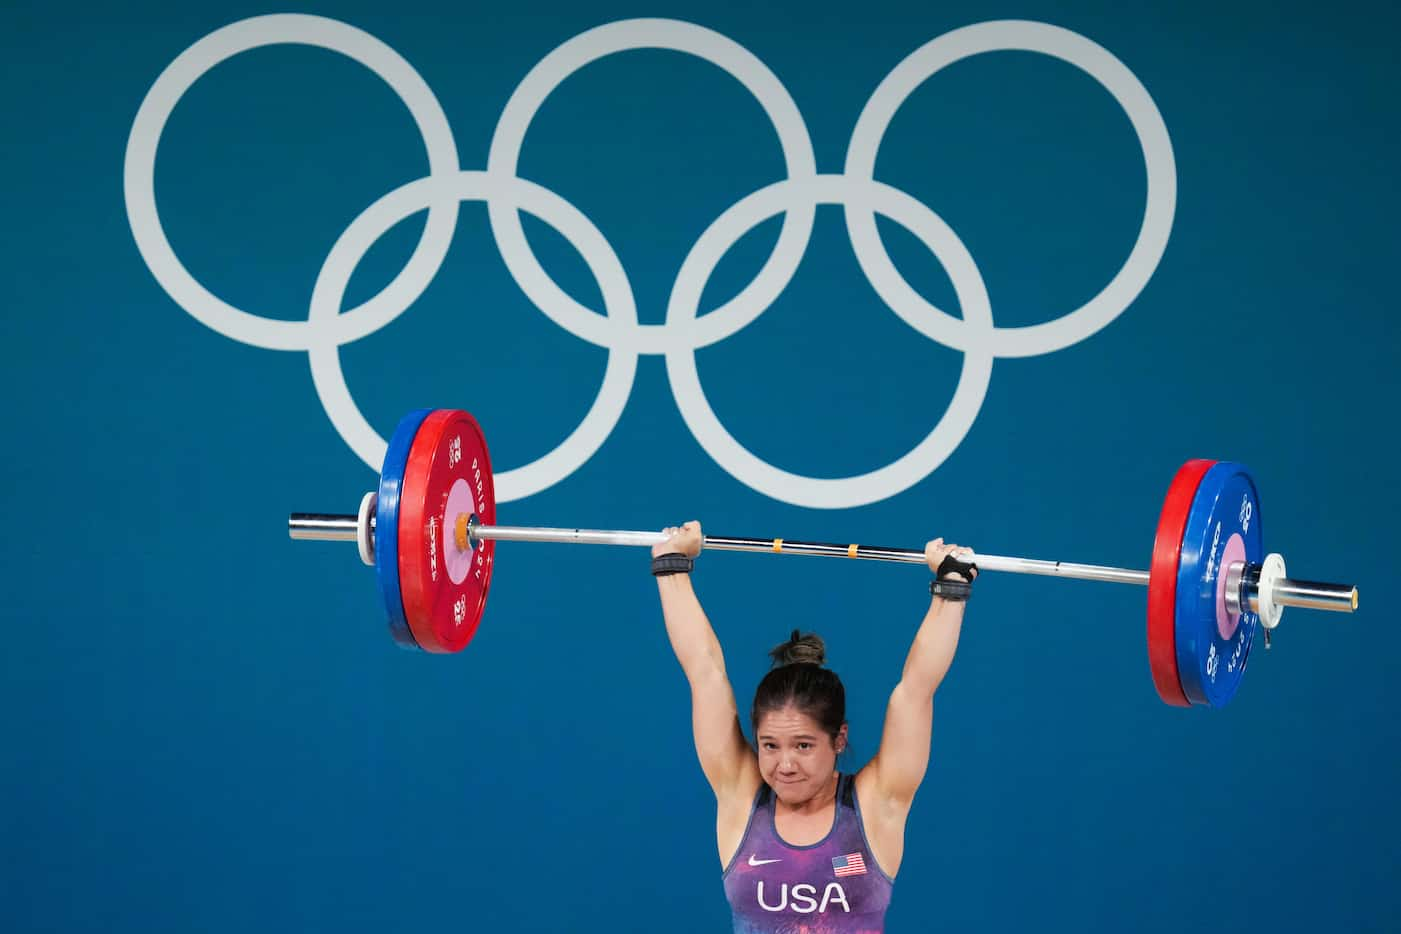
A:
831, 887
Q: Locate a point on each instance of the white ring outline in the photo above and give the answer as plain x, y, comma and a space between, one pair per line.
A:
140, 169
1128, 92
378, 218
626, 36
904, 472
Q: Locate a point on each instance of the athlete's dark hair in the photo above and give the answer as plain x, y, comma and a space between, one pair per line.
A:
800, 679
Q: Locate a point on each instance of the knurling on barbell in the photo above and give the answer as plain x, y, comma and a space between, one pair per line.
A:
430, 530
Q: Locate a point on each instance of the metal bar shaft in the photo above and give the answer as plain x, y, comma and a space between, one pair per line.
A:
506, 533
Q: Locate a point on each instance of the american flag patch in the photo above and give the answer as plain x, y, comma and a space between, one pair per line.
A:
852, 864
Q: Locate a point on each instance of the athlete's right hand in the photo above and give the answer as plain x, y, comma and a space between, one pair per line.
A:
685, 540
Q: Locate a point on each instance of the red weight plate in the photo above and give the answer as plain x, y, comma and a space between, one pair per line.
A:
1162, 581
448, 475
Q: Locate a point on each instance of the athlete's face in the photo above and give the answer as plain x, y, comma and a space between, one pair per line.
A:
796, 757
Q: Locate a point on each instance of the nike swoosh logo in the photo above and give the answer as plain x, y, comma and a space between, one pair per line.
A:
761, 862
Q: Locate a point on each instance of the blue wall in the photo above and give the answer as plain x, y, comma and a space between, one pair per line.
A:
206, 726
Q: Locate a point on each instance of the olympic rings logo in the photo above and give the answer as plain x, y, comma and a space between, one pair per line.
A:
328, 326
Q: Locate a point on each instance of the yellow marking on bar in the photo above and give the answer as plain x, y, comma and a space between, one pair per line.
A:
851, 551
777, 545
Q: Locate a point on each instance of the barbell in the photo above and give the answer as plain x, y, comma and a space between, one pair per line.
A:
430, 532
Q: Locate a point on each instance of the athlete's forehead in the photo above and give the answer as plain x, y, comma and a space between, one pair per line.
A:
790, 723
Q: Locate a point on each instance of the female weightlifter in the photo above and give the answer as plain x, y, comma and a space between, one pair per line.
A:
804, 846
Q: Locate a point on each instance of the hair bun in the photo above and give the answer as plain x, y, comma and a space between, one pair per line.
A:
800, 649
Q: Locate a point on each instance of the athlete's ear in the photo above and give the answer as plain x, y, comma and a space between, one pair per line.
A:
840, 742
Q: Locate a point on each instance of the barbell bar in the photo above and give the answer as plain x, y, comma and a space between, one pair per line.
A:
1287, 592
430, 532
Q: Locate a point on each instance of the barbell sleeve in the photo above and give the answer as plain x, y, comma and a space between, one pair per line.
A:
318, 527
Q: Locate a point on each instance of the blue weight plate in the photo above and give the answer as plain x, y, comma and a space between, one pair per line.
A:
391, 478
1223, 527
